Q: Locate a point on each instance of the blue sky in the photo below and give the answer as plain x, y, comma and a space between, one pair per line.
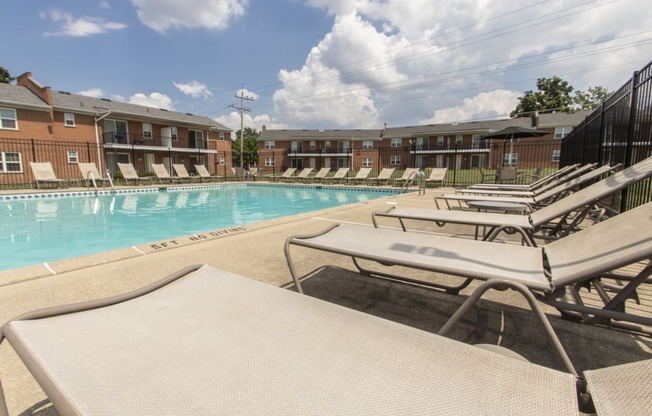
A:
325, 63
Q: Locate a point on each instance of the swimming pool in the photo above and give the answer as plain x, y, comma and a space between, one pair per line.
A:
42, 229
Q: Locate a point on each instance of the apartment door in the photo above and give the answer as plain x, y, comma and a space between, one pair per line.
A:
149, 160
115, 131
458, 162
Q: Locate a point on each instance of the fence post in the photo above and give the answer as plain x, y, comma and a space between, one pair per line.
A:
631, 132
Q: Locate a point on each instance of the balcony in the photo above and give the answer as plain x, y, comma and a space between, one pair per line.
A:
118, 140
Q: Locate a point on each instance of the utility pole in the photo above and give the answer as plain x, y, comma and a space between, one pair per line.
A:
242, 109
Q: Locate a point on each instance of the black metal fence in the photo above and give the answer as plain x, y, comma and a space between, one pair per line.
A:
620, 131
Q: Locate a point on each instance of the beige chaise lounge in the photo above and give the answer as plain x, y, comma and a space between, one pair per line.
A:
44, 173
548, 222
204, 341
541, 273
129, 173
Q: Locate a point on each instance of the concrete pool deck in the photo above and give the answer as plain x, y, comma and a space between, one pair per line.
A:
256, 251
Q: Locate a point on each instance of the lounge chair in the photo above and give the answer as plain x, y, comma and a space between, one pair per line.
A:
90, 174
385, 175
339, 176
254, 173
557, 175
506, 174
361, 176
549, 222
437, 175
205, 341
303, 175
162, 173
44, 173
538, 273
321, 174
408, 174
532, 201
285, 176
182, 173
203, 172
502, 191
129, 173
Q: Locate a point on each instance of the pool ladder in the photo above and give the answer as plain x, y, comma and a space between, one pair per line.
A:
420, 178
91, 178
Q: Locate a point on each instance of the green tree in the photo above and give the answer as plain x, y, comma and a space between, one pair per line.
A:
553, 94
592, 98
5, 77
250, 147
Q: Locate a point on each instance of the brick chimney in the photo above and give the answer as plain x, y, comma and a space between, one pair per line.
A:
44, 93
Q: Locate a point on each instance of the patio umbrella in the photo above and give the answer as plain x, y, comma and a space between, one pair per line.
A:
514, 132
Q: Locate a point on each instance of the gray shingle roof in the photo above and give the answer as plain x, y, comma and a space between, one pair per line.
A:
80, 103
471, 127
20, 97
306, 134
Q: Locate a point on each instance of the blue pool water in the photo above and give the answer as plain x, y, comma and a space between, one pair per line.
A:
41, 230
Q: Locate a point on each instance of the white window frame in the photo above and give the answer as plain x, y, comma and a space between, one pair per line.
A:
4, 163
270, 144
368, 144
69, 119
222, 161
73, 156
561, 132
270, 161
395, 160
367, 162
148, 133
510, 159
222, 135
327, 145
198, 134
459, 139
174, 132
313, 145
4, 117
556, 155
397, 142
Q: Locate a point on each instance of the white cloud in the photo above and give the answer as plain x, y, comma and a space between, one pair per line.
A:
408, 62
232, 120
80, 26
155, 100
486, 105
92, 92
105, 5
246, 93
194, 89
163, 15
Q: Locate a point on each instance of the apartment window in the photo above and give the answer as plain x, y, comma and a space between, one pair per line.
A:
397, 142
561, 132
327, 144
395, 160
147, 131
222, 161
69, 119
368, 144
313, 145
476, 143
556, 155
174, 133
270, 144
269, 161
72, 156
459, 139
8, 119
510, 159
10, 162
296, 146
196, 139
440, 140
367, 162
221, 135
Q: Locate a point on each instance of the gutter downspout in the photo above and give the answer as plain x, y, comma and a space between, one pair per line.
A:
97, 138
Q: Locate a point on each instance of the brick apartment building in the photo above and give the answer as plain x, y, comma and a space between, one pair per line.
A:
77, 128
452, 145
